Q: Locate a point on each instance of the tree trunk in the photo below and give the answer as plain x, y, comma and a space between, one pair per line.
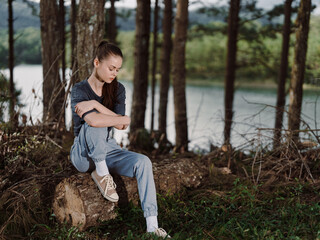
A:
13, 100
298, 68
154, 60
140, 80
73, 30
77, 199
90, 28
179, 76
62, 39
61, 121
111, 32
165, 66
233, 22
281, 97
53, 89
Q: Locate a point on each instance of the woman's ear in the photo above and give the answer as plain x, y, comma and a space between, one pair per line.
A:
96, 62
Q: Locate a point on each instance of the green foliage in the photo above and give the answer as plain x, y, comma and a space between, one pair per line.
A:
205, 56
258, 58
5, 97
27, 47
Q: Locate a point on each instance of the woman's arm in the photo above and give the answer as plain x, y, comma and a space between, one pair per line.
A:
96, 119
86, 106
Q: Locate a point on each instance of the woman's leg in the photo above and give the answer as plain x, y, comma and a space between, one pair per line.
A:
93, 143
131, 164
89, 146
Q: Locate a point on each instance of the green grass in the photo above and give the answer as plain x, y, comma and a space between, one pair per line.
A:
244, 212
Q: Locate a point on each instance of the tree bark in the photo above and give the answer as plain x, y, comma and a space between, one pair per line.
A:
90, 28
179, 76
12, 102
78, 201
281, 96
53, 88
154, 60
62, 39
140, 80
298, 68
233, 22
165, 66
73, 30
111, 32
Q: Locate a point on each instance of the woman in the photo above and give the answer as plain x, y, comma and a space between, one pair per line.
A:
98, 104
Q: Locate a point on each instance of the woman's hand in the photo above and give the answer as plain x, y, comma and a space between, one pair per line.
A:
123, 126
85, 106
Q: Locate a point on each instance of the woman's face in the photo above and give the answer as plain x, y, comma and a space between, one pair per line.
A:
107, 69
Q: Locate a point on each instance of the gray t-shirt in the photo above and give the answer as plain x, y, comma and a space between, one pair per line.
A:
82, 91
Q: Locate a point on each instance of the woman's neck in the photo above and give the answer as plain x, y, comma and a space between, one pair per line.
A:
95, 84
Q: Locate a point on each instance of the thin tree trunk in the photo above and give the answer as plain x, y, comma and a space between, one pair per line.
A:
13, 100
63, 56
165, 66
154, 60
112, 28
62, 39
298, 68
90, 28
233, 22
73, 17
53, 89
281, 97
179, 76
140, 80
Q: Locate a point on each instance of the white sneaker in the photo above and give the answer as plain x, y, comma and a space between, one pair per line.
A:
160, 232
106, 186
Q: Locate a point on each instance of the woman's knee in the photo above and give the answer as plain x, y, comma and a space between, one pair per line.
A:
144, 162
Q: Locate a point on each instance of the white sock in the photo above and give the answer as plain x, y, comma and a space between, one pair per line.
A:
101, 168
152, 223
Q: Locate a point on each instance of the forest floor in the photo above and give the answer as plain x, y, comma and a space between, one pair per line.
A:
267, 195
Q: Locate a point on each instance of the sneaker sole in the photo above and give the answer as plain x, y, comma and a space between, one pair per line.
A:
101, 190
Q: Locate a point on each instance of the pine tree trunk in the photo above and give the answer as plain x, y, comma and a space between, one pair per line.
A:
112, 27
62, 39
73, 30
140, 80
53, 88
179, 76
61, 121
233, 21
78, 201
298, 68
13, 100
90, 29
154, 60
165, 66
281, 97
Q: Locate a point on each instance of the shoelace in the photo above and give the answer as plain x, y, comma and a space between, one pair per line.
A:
109, 182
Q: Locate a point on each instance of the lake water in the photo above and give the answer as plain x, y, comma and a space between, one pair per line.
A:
205, 109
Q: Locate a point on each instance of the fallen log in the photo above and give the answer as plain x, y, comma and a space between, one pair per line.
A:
78, 201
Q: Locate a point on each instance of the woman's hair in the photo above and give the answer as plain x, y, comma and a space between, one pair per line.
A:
109, 90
